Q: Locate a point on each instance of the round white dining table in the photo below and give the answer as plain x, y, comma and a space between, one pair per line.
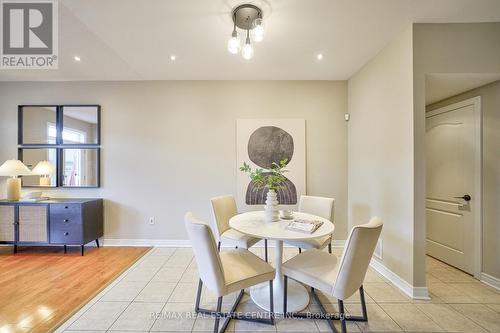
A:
255, 225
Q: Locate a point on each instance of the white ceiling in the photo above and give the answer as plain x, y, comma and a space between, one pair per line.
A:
442, 86
133, 40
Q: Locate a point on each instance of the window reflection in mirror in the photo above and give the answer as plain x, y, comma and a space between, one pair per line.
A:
80, 167
80, 125
35, 121
42, 162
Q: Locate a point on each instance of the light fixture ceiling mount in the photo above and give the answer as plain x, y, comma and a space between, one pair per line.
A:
246, 17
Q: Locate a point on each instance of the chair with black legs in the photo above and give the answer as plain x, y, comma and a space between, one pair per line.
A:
226, 272
338, 278
224, 207
320, 206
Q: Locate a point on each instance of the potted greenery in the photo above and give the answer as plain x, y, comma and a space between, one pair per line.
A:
272, 179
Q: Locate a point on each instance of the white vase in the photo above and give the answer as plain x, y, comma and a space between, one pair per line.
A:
271, 208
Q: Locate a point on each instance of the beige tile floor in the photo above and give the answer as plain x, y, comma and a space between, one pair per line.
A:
165, 281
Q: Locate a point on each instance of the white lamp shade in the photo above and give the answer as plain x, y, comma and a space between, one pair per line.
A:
44, 168
14, 168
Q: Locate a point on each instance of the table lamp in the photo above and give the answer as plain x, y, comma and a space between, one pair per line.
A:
14, 168
44, 169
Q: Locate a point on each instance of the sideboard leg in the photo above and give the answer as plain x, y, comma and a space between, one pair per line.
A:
65, 249
83, 249
15, 248
97, 242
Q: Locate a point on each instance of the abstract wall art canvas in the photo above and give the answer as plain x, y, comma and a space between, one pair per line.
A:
260, 142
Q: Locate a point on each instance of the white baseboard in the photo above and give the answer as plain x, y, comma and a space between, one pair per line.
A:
490, 280
400, 283
180, 242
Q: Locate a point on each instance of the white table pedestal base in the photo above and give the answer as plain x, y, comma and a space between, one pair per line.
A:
298, 297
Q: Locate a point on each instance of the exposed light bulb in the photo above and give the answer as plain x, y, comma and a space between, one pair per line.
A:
247, 51
233, 44
319, 56
173, 57
258, 30
77, 58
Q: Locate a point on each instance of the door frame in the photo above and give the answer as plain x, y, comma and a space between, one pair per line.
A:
478, 174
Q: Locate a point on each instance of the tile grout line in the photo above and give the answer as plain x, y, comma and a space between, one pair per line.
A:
128, 305
169, 296
472, 319
388, 315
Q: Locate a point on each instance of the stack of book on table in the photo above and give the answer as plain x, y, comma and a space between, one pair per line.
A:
305, 226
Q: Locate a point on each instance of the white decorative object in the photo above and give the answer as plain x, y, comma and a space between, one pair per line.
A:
271, 208
14, 168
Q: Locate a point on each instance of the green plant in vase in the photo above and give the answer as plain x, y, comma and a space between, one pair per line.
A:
272, 179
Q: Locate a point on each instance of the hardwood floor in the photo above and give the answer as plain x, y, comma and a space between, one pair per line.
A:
40, 287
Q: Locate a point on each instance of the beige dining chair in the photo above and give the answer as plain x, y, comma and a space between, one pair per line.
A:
226, 272
224, 207
319, 206
338, 278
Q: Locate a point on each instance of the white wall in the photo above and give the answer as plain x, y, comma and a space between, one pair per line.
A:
444, 48
380, 150
490, 105
168, 146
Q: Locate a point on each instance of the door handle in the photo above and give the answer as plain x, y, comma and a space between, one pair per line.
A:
465, 197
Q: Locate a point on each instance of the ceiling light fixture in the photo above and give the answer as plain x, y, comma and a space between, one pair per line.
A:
246, 17
172, 57
319, 56
77, 58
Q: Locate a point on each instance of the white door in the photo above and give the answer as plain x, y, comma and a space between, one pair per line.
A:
453, 181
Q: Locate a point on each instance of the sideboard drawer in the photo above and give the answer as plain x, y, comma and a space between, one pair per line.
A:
71, 234
65, 214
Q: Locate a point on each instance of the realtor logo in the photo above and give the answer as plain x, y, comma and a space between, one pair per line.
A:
29, 34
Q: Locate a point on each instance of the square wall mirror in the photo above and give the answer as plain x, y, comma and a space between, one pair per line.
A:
80, 124
43, 163
37, 125
80, 167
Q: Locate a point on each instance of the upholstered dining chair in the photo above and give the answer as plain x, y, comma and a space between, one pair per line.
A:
319, 206
338, 278
226, 272
224, 207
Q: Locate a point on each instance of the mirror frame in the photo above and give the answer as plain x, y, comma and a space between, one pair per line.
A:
60, 121
59, 145
20, 118
20, 157
60, 169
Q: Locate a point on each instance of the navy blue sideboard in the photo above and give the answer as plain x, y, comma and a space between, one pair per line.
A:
51, 222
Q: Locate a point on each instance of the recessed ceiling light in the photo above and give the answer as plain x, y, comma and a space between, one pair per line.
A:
172, 57
319, 56
77, 58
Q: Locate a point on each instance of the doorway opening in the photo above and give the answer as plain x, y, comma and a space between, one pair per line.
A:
454, 170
